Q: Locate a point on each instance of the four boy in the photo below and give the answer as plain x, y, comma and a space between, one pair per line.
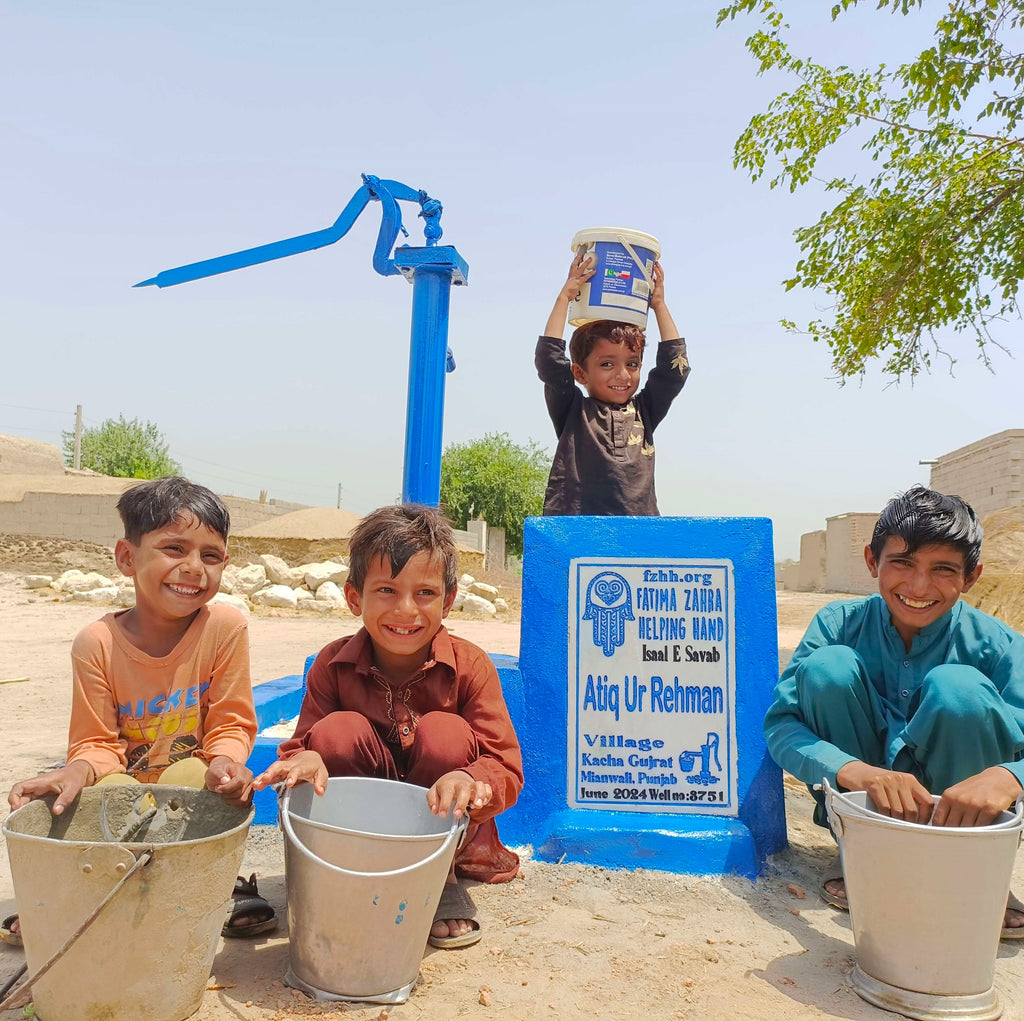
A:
901, 694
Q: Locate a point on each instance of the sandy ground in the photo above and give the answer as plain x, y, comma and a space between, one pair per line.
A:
561, 940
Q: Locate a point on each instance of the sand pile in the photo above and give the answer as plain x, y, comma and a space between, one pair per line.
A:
309, 523
1000, 589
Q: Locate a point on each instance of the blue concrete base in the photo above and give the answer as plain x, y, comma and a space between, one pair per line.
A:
537, 687
702, 845
276, 701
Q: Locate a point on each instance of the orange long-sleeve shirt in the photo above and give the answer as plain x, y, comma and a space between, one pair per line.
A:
135, 713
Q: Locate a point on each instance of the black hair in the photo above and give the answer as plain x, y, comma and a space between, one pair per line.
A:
922, 517
158, 503
398, 533
585, 338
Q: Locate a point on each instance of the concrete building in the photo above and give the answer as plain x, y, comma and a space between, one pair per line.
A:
846, 535
986, 473
811, 571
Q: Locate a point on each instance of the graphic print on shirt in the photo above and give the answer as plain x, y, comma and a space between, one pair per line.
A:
162, 730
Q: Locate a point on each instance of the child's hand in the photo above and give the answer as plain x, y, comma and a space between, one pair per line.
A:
231, 780
459, 790
581, 269
66, 782
658, 290
978, 800
305, 767
900, 795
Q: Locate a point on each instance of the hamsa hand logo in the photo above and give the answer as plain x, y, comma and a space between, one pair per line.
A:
609, 605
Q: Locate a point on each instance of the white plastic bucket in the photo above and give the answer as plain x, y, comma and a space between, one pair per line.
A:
149, 952
927, 905
620, 288
365, 864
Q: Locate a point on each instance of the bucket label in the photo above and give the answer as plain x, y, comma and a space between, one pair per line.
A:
652, 686
618, 282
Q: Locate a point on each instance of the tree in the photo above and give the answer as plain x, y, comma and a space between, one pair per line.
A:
124, 448
497, 480
933, 241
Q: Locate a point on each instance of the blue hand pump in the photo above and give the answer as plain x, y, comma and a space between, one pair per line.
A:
432, 270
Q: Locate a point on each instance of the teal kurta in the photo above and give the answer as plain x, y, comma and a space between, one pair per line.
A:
951, 706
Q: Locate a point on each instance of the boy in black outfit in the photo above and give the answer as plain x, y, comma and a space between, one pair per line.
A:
604, 462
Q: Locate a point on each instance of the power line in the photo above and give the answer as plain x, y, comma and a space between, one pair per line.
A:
45, 411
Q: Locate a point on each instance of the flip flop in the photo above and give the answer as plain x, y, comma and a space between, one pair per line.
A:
455, 902
826, 895
246, 902
1008, 931
7, 935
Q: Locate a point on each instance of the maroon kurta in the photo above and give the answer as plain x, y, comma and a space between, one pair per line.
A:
458, 678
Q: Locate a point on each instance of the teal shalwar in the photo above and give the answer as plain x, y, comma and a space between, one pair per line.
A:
948, 708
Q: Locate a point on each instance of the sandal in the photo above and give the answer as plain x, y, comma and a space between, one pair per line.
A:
1008, 931
246, 902
837, 901
455, 903
7, 933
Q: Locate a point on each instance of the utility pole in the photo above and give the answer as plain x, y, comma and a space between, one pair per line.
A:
77, 461
339, 496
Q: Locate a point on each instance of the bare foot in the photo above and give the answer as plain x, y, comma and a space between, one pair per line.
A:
451, 927
1014, 917
836, 887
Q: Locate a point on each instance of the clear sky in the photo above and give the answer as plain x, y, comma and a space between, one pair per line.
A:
138, 136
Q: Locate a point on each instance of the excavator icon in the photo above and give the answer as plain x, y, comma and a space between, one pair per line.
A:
705, 777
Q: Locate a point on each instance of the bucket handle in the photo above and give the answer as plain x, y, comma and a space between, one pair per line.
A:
458, 828
636, 258
22, 994
835, 820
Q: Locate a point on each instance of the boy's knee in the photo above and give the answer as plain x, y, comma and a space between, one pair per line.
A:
446, 740
340, 732
957, 693
826, 671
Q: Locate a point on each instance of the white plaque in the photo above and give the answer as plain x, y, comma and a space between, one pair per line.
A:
652, 685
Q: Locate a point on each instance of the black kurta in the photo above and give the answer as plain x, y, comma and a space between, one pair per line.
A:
604, 462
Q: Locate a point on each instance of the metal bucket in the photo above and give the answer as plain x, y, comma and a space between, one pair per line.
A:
927, 905
149, 951
365, 864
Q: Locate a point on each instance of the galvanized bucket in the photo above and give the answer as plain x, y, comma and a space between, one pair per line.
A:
149, 951
365, 864
927, 905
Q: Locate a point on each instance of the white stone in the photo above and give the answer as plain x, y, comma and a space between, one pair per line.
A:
77, 581
276, 595
460, 598
280, 573
478, 588
236, 601
105, 594
466, 580
126, 596
477, 604
303, 595
317, 574
329, 593
250, 579
500, 605
228, 578
317, 606
37, 580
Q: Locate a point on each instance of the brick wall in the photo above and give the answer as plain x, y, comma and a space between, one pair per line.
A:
846, 535
987, 473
